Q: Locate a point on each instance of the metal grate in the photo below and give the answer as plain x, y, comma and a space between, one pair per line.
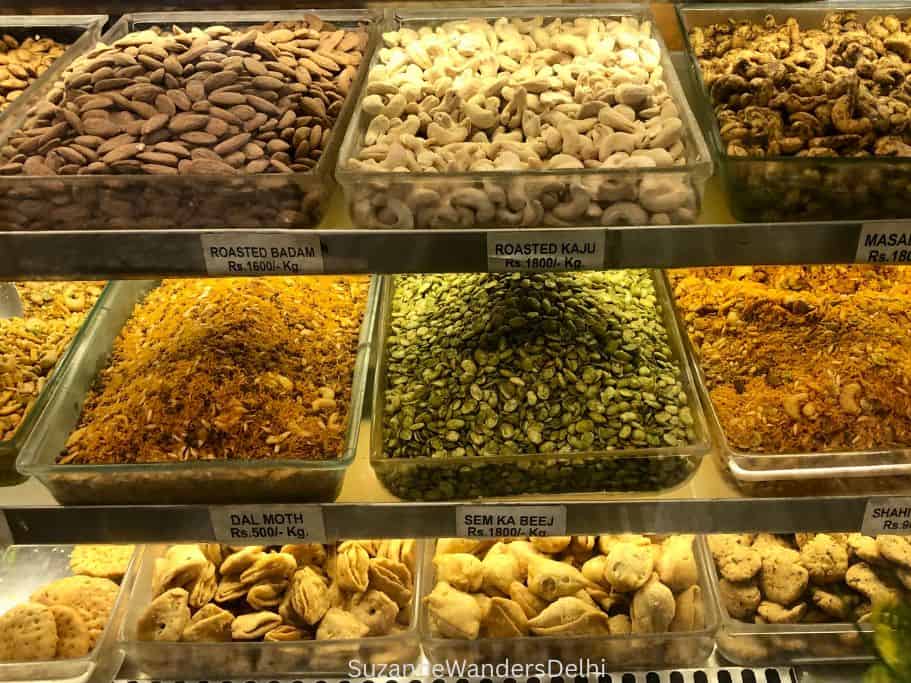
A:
706, 675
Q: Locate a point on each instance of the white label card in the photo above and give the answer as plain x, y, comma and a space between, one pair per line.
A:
887, 516
268, 524
261, 253
510, 521
886, 242
515, 251
6, 534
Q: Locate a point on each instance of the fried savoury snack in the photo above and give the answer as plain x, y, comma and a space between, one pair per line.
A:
31, 346
227, 369
803, 359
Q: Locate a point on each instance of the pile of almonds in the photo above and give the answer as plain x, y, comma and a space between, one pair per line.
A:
22, 63
212, 101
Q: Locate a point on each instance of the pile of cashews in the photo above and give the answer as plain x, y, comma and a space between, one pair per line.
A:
517, 95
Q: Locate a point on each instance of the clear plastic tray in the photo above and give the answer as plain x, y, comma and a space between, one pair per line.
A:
623, 652
180, 661
78, 32
219, 481
366, 191
749, 644
799, 474
429, 478
290, 200
798, 188
26, 568
9, 450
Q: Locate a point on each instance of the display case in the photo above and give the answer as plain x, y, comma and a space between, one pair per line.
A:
620, 470
783, 188
216, 481
266, 659
24, 570
747, 641
76, 33
433, 199
769, 470
118, 200
9, 449
664, 650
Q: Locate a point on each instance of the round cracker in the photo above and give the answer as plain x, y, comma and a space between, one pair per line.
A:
29, 632
93, 598
102, 561
72, 633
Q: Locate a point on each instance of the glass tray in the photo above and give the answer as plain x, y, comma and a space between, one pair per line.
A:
180, 661
108, 202
218, 481
429, 478
365, 192
26, 568
797, 188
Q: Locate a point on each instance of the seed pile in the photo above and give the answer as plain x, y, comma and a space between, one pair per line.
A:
30, 346
482, 365
213, 101
21, 63
227, 369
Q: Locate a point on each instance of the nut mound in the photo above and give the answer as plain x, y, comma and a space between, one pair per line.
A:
782, 90
514, 94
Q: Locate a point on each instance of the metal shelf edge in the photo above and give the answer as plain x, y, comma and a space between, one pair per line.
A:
141, 524
152, 253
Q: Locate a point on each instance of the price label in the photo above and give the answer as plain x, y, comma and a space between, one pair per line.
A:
261, 253
887, 516
510, 521
885, 242
268, 524
515, 251
6, 534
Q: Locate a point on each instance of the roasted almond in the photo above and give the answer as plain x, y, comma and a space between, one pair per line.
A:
185, 122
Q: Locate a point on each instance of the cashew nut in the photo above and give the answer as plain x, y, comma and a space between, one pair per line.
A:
624, 213
521, 96
848, 399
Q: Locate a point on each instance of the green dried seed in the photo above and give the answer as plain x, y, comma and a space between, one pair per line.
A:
485, 364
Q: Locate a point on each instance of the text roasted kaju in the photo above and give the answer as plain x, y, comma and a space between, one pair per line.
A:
564, 250
227, 369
